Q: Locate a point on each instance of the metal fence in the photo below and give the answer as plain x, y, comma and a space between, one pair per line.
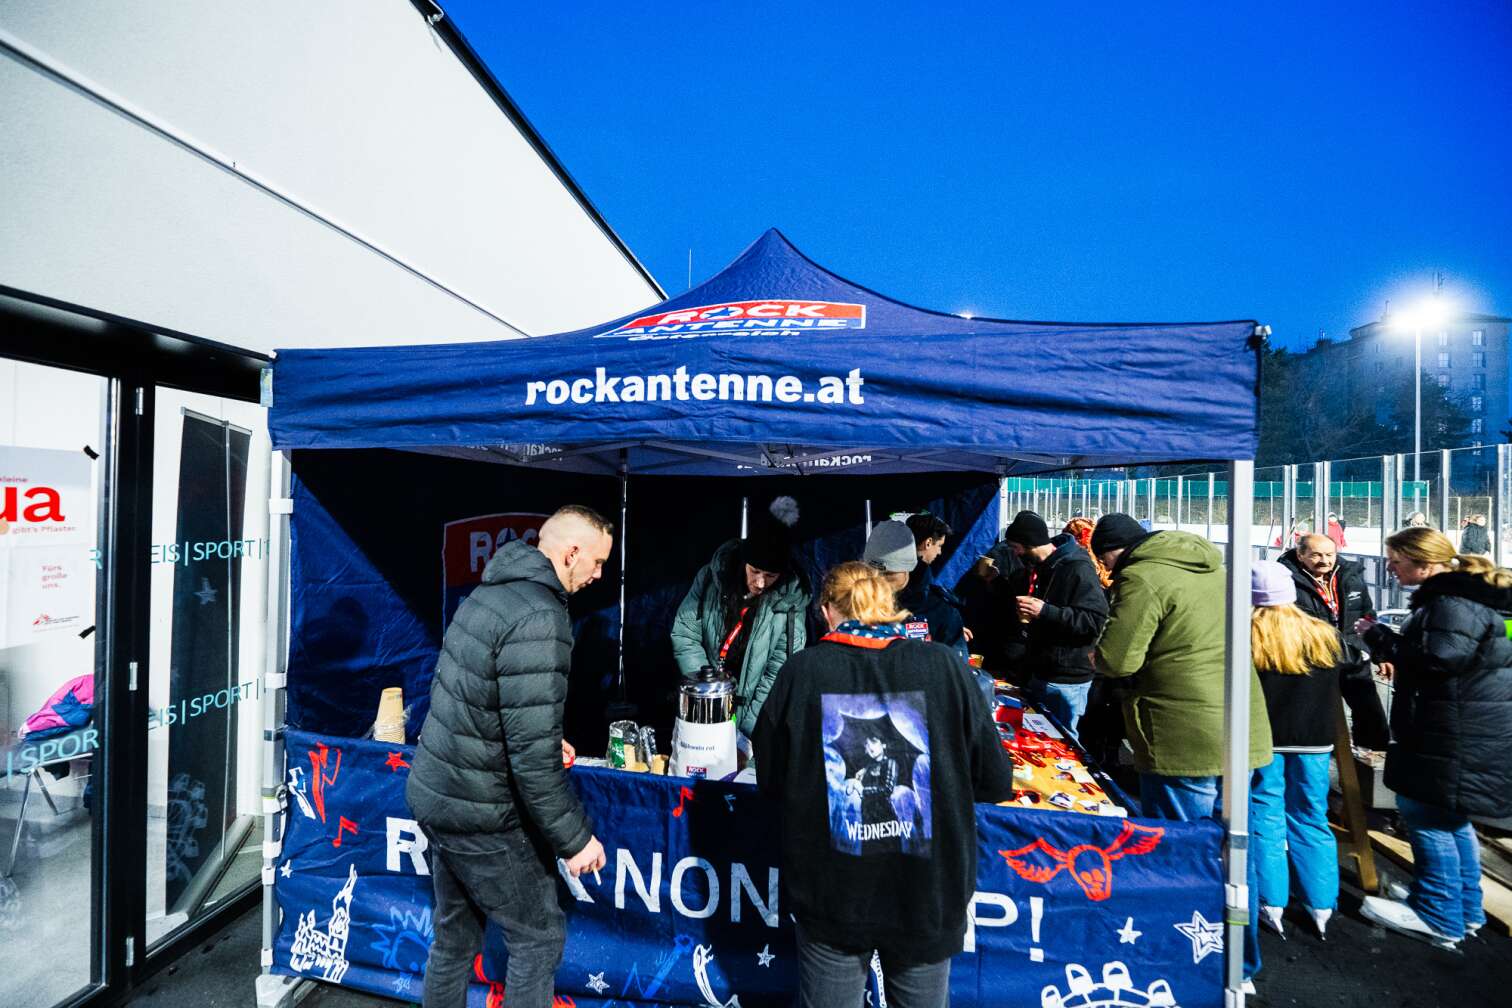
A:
1366, 499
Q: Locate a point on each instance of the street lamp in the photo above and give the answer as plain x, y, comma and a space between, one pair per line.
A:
1428, 313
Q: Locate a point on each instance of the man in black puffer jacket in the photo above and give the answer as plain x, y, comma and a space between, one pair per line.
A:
1333, 590
488, 783
1062, 615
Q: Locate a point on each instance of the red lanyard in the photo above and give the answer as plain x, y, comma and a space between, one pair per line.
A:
1329, 589
740, 622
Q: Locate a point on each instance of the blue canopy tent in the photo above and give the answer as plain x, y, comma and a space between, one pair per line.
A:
778, 366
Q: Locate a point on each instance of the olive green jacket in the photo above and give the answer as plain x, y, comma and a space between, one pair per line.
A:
1166, 630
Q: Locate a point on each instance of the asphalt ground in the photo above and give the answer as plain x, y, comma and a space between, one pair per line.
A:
1359, 966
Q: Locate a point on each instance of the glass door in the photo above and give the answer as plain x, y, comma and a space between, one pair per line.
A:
54, 480
208, 584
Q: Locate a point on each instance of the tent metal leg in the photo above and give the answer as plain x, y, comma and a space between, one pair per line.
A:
624, 531
1236, 738
276, 617
1002, 504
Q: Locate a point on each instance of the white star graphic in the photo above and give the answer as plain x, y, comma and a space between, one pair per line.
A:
1206, 937
596, 983
1127, 935
206, 594
287, 869
765, 957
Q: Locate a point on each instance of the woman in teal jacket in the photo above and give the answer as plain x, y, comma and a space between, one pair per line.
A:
745, 612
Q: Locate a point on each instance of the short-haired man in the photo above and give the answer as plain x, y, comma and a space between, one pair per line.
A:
930, 603
1165, 628
488, 783
1333, 590
1061, 613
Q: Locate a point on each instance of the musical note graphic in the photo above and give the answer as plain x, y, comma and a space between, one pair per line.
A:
341, 827
684, 793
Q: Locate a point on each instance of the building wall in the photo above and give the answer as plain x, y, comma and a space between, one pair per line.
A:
1376, 362
355, 108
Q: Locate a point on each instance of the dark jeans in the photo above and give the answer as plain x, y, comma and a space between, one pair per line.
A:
830, 977
506, 880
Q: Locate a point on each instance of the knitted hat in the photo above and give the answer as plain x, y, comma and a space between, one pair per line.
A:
890, 548
1116, 531
768, 544
1271, 584
1028, 529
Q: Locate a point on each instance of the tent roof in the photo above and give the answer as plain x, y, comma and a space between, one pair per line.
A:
777, 365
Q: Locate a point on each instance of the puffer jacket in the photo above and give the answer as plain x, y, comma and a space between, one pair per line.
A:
1165, 628
489, 760
1451, 721
1058, 644
778, 630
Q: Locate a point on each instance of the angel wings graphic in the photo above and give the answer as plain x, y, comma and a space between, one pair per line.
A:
1090, 866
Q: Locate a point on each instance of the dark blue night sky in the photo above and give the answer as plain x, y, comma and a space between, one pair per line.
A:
1088, 162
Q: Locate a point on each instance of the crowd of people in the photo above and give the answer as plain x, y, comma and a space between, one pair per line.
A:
875, 738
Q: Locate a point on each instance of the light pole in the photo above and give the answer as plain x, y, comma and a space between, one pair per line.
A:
1430, 312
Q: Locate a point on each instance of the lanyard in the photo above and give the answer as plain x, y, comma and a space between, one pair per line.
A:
740, 622
1329, 589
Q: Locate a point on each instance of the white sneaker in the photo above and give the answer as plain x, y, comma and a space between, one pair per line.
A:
1400, 892
1248, 987
1320, 921
1270, 916
1403, 919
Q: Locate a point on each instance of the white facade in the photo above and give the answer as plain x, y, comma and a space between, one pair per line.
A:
353, 110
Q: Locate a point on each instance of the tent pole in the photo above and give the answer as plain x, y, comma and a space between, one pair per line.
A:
274, 700
868, 518
745, 517
624, 468
1236, 714
1002, 502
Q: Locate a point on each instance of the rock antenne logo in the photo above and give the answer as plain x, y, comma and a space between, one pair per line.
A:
1090, 866
742, 316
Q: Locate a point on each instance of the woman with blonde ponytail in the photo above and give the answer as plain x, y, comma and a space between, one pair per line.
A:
876, 747
1451, 724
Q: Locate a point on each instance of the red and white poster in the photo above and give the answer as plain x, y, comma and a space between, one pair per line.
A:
467, 546
47, 529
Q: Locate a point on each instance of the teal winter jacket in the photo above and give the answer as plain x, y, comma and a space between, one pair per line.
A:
778, 629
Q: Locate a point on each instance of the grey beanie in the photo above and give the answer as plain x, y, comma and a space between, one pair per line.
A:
890, 548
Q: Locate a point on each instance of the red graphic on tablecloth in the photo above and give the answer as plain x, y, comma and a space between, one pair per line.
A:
395, 761
342, 826
684, 794
1091, 867
320, 758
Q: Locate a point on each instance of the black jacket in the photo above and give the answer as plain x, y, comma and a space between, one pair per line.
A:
1353, 677
1058, 644
1302, 709
1351, 592
879, 838
1451, 720
935, 605
489, 760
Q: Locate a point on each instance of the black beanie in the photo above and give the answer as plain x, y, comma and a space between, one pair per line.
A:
1116, 531
768, 544
1028, 529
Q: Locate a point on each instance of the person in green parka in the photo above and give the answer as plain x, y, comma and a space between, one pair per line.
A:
1165, 638
745, 614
